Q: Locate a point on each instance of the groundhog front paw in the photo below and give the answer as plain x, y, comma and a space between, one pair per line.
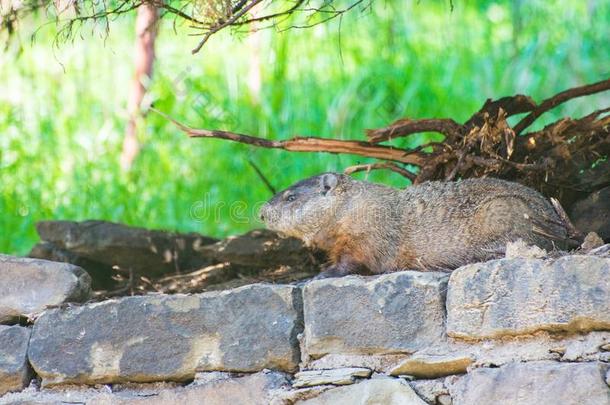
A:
337, 270
328, 274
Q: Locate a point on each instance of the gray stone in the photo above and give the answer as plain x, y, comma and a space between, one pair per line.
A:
393, 313
28, 286
253, 389
387, 391
426, 366
444, 399
540, 383
150, 252
602, 251
83, 394
521, 296
101, 274
14, 369
379, 362
337, 376
429, 390
293, 396
158, 337
261, 248
584, 347
520, 249
205, 377
539, 346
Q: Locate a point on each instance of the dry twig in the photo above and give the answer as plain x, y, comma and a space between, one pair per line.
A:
378, 166
560, 98
405, 127
307, 144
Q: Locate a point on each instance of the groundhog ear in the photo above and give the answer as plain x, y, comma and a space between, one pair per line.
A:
328, 182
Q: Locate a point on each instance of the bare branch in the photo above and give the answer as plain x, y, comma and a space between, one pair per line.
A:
307, 144
333, 13
261, 176
510, 105
206, 17
179, 13
379, 166
560, 98
225, 24
406, 126
288, 11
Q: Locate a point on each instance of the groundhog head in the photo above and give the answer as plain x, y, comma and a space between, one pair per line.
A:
306, 207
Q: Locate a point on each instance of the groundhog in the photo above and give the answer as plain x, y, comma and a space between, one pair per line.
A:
367, 227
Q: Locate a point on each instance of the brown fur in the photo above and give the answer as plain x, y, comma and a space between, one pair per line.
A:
431, 226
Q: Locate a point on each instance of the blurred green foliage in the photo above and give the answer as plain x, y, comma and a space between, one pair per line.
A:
63, 110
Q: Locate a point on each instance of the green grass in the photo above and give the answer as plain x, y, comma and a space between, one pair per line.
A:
62, 111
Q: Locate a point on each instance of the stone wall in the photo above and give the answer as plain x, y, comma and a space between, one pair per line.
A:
509, 331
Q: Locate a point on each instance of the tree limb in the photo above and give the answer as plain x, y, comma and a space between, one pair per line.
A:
307, 144
378, 166
560, 98
225, 24
261, 176
406, 126
288, 11
511, 105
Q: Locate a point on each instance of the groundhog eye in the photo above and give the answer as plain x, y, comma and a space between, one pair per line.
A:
291, 198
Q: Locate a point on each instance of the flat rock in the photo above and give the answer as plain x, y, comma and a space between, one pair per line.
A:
381, 363
14, 369
28, 286
540, 383
426, 366
392, 313
249, 389
524, 348
337, 376
169, 337
520, 249
602, 251
261, 248
293, 396
101, 274
150, 252
430, 390
510, 297
387, 391
255, 389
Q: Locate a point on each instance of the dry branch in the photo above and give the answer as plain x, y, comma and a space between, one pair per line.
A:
307, 144
206, 17
405, 126
238, 12
263, 178
567, 159
560, 98
379, 166
512, 105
